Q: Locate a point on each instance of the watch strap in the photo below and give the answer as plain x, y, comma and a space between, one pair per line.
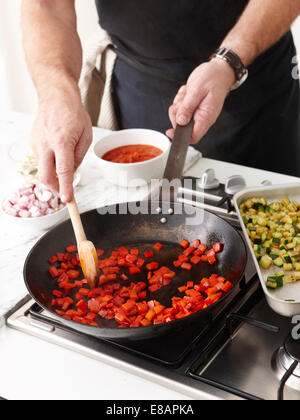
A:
241, 72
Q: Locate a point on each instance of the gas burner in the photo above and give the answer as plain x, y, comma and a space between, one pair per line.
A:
286, 364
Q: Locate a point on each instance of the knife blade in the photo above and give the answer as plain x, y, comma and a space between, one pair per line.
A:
176, 160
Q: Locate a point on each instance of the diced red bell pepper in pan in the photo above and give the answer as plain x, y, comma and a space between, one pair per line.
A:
158, 246
119, 296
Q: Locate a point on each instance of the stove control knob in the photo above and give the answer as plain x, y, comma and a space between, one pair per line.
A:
208, 180
235, 184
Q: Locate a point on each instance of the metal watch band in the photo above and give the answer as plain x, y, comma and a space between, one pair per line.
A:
241, 72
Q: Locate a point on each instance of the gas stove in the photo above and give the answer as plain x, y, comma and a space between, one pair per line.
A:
244, 350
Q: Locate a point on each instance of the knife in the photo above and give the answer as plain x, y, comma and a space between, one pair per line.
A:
177, 158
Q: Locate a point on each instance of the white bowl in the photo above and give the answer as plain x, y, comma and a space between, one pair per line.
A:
132, 175
36, 223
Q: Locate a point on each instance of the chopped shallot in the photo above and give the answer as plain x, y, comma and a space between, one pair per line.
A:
33, 201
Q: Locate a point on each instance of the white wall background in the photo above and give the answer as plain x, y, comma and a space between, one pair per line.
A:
16, 89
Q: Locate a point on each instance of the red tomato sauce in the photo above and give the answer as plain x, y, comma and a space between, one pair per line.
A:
132, 153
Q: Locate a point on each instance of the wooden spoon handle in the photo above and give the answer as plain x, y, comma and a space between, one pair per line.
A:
76, 221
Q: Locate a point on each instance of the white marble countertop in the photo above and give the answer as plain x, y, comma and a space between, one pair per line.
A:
23, 365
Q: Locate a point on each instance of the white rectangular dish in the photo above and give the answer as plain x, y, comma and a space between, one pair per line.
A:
279, 299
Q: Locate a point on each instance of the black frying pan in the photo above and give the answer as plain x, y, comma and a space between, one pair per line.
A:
111, 231
143, 231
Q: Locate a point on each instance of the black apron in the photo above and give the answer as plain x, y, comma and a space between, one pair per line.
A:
161, 42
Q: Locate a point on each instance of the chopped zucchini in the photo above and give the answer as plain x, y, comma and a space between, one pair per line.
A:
271, 284
288, 267
278, 262
266, 262
278, 280
274, 230
290, 279
288, 259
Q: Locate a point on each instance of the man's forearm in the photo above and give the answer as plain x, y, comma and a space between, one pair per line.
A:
52, 45
260, 26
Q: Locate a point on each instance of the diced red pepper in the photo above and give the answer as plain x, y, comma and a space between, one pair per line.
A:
202, 248
53, 272
177, 263
195, 260
72, 248
100, 252
140, 262
131, 258
82, 305
189, 251
211, 260
158, 246
127, 304
186, 266
217, 247
58, 293
184, 243
134, 270
94, 306
148, 254
134, 252
211, 253
73, 274
153, 288
227, 286
142, 295
53, 260
150, 315
152, 266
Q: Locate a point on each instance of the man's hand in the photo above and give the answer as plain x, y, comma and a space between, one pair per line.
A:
202, 97
61, 136
62, 132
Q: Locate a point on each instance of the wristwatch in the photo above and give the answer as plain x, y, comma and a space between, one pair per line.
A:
241, 72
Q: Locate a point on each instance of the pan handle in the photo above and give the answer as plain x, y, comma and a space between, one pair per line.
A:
176, 160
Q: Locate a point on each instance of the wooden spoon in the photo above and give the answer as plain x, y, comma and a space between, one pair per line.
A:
86, 249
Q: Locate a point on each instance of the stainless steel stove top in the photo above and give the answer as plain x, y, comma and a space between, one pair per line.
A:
237, 354
225, 363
